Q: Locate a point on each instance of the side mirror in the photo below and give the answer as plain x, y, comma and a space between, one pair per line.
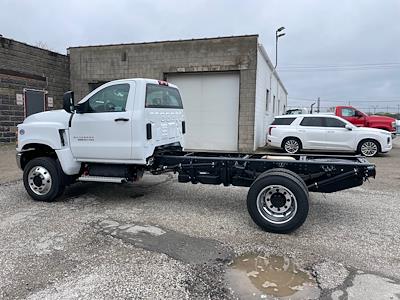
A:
358, 114
68, 102
348, 127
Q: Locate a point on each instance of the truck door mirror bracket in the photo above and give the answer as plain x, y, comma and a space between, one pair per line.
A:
68, 102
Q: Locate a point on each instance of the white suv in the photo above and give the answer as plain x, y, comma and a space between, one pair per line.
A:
326, 133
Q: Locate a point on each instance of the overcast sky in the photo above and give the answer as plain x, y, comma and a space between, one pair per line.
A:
340, 50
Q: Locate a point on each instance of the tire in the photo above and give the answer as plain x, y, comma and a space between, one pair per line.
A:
368, 148
290, 174
43, 179
291, 145
277, 201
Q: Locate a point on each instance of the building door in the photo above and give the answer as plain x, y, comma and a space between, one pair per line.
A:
34, 101
211, 107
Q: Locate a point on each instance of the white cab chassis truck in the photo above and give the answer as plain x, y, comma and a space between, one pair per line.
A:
127, 127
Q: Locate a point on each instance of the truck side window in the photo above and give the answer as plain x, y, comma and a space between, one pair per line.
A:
161, 96
110, 99
348, 112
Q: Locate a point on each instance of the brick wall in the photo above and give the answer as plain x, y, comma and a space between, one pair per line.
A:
24, 66
155, 60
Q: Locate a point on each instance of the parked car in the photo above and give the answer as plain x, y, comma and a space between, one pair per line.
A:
361, 119
326, 133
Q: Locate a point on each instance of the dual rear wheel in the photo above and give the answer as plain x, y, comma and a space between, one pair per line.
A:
277, 201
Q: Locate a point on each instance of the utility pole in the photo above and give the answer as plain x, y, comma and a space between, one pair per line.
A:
318, 105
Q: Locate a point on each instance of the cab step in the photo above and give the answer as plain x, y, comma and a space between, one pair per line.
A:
102, 179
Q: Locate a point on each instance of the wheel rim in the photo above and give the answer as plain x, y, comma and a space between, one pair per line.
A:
277, 204
292, 146
369, 148
39, 180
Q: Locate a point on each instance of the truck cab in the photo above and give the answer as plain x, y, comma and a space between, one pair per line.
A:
112, 132
361, 119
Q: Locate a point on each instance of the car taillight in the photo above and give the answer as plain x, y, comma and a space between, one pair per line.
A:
270, 130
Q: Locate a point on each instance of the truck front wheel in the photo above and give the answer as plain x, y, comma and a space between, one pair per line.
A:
278, 202
42, 179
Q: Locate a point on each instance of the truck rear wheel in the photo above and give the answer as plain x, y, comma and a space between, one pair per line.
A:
42, 179
278, 201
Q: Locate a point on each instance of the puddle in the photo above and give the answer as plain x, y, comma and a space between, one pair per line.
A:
253, 276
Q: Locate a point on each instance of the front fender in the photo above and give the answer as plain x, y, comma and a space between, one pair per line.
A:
39, 133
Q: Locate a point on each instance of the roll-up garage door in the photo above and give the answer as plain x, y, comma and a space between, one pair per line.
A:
211, 105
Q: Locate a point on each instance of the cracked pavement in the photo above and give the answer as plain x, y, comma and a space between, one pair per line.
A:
160, 239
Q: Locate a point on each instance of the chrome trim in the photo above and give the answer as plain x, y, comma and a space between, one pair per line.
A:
18, 156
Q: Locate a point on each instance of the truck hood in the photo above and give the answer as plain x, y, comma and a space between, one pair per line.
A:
53, 116
381, 118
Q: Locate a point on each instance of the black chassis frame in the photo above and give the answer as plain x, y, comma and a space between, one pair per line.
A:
321, 173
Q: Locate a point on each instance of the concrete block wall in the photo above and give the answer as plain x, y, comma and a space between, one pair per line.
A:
155, 60
24, 66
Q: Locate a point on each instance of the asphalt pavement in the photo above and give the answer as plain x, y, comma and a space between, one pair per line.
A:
160, 239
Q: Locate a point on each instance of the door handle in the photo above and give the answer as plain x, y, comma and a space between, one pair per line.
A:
301, 130
121, 119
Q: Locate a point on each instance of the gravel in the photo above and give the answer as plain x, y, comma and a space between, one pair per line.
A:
56, 251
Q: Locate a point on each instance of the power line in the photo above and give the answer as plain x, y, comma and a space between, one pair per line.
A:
338, 67
336, 70
343, 65
343, 100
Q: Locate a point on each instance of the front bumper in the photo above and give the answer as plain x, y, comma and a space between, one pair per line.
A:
387, 148
18, 157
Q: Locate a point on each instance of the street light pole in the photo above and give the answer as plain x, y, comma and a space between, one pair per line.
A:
277, 36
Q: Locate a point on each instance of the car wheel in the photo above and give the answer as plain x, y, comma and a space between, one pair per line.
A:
291, 145
368, 148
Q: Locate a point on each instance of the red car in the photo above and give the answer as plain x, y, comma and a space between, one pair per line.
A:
361, 119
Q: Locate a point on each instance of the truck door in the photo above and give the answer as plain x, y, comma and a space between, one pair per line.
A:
353, 116
102, 127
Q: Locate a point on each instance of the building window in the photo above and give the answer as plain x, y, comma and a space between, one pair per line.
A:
123, 56
279, 106
267, 100
273, 104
